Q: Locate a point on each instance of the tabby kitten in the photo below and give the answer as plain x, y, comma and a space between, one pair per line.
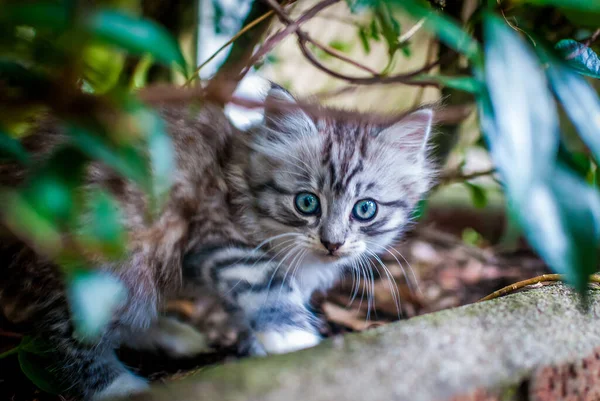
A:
262, 218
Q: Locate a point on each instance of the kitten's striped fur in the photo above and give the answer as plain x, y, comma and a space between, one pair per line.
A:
231, 223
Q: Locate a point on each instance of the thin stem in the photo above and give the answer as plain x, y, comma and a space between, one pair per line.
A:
230, 41
291, 27
303, 39
535, 280
456, 176
592, 38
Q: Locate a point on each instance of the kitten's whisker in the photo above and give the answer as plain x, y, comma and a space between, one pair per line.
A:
414, 281
289, 252
362, 272
270, 239
371, 295
411, 283
355, 271
391, 283
254, 264
290, 266
268, 290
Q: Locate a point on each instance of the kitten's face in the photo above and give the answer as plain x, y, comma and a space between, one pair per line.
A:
336, 190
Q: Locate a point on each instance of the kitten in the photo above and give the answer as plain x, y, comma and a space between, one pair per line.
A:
262, 218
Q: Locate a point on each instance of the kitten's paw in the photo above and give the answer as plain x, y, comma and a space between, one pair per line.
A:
175, 338
124, 385
276, 342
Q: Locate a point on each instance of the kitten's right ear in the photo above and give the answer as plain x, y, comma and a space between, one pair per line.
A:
282, 114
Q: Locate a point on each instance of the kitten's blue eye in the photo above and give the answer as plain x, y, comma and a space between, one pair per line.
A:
364, 209
307, 203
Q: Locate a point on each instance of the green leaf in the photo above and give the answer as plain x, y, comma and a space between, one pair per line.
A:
446, 29
584, 5
341, 46
374, 30
125, 158
582, 19
579, 100
478, 195
390, 27
36, 14
34, 345
471, 237
140, 73
137, 36
103, 230
102, 67
364, 39
580, 57
39, 370
420, 210
12, 148
93, 296
10, 352
26, 222
51, 191
520, 122
523, 132
564, 229
576, 161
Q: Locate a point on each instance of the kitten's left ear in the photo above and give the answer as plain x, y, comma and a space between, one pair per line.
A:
286, 120
411, 133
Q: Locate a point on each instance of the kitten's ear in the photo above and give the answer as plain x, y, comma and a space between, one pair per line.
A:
411, 133
282, 119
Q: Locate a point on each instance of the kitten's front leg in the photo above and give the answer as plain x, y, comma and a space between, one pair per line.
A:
255, 284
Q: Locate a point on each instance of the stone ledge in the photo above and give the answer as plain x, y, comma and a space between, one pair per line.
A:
534, 345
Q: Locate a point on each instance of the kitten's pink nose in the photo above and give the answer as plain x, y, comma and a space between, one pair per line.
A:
330, 246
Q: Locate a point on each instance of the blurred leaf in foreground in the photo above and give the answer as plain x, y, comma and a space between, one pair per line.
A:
102, 230
521, 124
579, 100
39, 369
580, 57
137, 36
525, 118
446, 29
102, 67
94, 296
12, 148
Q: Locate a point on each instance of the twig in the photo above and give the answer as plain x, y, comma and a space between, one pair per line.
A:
535, 280
455, 176
592, 38
11, 334
303, 39
294, 27
340, 56
162, 94
228, 76
230, 41
406, 36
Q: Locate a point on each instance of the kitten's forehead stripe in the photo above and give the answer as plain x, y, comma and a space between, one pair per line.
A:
399, 203
344, 148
